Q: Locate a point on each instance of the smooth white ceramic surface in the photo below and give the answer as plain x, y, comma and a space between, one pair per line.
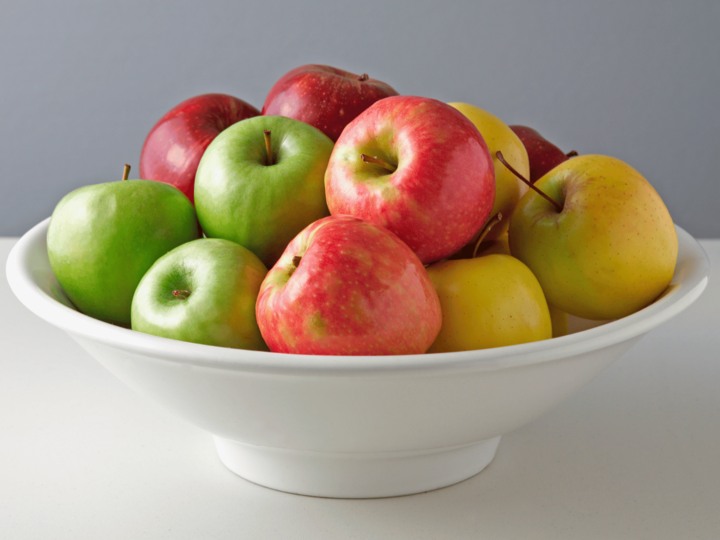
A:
285, 421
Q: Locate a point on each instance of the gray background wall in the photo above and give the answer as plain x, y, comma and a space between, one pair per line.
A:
81, 83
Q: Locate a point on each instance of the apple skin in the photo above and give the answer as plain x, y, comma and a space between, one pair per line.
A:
175, 144
489, 301
543, 155
324, 97
357, 290
443, 189
613, 248
103, 238
221, 279
240, 198
499, 137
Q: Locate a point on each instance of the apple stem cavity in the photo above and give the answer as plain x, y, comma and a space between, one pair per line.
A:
377, 161
181, 294
296, 260
500, 157
126, 172
489, 225
268, 147
363, 77
571, 153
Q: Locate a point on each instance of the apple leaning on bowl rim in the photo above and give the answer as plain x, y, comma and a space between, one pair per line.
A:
352, 426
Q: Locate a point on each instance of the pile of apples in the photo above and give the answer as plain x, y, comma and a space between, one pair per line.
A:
389, 224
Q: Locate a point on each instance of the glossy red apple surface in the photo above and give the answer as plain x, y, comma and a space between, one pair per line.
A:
437, 185
347, 287
542, 154
324, 97
175, 144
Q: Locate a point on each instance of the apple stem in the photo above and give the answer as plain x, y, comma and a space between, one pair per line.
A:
377, 161
489, 225
500, 157
181, 294
126, 172
268, 147
296, 260
571, 153
363, 77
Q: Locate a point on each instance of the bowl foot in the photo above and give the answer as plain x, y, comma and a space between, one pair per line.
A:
355, 475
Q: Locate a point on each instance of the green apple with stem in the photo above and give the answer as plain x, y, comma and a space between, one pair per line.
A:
597, 236
103, 238
262, 181
202, 292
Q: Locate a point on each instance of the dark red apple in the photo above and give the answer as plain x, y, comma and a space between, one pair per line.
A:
174, 146
347, 287
542, 154
419, 168
324, 97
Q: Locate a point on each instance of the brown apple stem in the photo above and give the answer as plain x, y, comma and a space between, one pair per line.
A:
268, 147
571, 153
126, 172
489, 225
181, 294
296, 260
377, 161
500, 157
363, 77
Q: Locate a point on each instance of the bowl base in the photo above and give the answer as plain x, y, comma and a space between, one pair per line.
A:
355, 475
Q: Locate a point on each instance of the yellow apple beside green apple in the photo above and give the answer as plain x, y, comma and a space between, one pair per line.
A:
490, 301
499, 137
611, 250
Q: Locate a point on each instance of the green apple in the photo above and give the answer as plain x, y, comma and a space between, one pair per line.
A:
203, 292
261, 199
609, 252
490, 301
103, 238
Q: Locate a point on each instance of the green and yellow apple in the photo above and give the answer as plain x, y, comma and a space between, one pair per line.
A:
103, 238
258, 199
610, 251
489, 301
499, 137
203, 292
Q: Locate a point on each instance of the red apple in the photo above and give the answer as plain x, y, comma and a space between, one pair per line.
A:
347, 287
542, 154
174, 146
324, 97
419, 168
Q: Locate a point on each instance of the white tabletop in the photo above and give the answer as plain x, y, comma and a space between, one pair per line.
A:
636, 454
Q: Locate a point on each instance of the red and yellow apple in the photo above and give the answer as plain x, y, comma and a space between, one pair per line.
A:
417, 167
347, 287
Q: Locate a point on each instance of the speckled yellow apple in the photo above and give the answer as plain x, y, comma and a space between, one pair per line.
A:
499, 137
610, 251
490, 301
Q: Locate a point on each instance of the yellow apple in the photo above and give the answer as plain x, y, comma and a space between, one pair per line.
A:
487, 302
610, 251
499, 137
501, 246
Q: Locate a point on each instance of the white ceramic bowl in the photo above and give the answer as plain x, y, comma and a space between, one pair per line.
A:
338, 426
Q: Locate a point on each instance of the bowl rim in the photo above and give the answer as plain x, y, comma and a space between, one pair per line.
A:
689, 280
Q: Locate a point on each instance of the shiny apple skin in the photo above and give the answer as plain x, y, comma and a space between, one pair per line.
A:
544, 156
357, 290
443, 189
175, 144
324, 97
